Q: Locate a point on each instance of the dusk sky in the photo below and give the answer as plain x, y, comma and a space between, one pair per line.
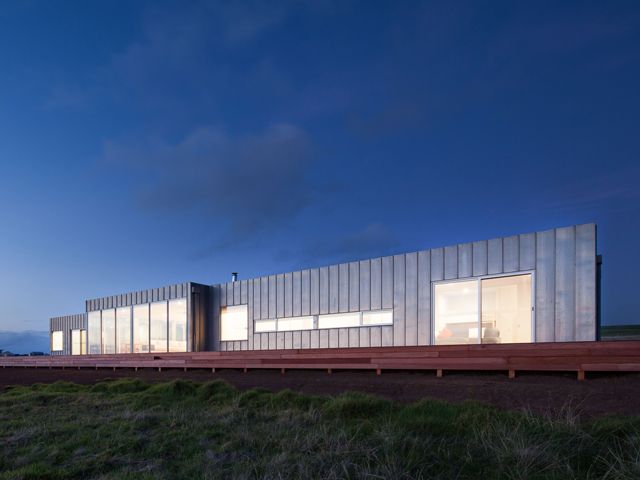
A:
145, 143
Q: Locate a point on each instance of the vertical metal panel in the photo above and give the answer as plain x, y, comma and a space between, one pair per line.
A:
264, 297
398, 300
511, 252
172, 291
315, 339
354, 286
527, 251
586, 282
365, 337
305, 296
333, 338
479, 258
451, 262
305, 339
244, 297
236, 293
376, 336
343, 289
376, 284
545, 286
354, 337
387, 336
272, 341
223, 295
272, 296
256, 298
280, 295
280, 340
411, 299
288, 340
324, 290
297, 294
565, 284
437, 264
494, 255
314, 287
365, 285
324, 338
343, 337
465, 260
264, 341
297, 339
288, 294
249, 289
214, 332
334, 283
387, 282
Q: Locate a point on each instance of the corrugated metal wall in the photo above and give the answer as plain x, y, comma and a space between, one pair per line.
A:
563, 261
66, 324
179, 290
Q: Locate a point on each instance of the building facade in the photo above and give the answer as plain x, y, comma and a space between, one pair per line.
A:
534, 287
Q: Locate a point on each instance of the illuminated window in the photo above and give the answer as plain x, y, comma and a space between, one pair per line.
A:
506, 309
234, 323
95, 332
78, 342
141, 328
158, 327
265, 325
57, 341
178, 325
295, 323
377, 317
109, 331
123, 323
456, 312
339, 320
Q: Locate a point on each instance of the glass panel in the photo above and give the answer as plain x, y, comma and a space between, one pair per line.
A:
234, 323
295, 323
506, 309
158, 327
76, 348
83, 342
56, 341
141, 328
109, 331
178, 325
377, 317
93, 324
123, 322
456, 312
265, 325
339, 320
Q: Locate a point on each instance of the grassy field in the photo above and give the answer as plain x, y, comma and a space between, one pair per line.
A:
128, 429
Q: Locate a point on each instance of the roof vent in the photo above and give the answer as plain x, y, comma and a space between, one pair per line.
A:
234, 276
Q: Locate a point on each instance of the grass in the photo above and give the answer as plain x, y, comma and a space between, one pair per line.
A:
180, 429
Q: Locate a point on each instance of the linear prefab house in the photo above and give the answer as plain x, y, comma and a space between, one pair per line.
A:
527, 288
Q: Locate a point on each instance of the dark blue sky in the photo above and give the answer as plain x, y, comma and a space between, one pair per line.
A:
147, 143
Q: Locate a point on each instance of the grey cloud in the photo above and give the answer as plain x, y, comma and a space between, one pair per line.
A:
252, 183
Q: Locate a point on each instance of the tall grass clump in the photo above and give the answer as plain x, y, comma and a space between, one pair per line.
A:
182, 429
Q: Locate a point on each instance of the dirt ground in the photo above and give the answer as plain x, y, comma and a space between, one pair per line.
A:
541, 393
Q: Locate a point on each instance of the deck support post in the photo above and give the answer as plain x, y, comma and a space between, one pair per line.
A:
114, 369
378, 371
159, 369
245, 370
512, 373
282, 370
213, 370
439, 373
580, 375
185, 369
135, 369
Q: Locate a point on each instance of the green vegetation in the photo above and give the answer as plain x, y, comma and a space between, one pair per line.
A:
611, 332
180, 429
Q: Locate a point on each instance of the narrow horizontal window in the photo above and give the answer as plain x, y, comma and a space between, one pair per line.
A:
377, 317
265, 325
234, 322
295, 323
339, 320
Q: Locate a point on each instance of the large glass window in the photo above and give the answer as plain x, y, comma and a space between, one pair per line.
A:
506, 309
234, 322
109, 331
339, 320
178, 325
78, 342
158, 327
456, 312
489, 310
141, 328
57, 341
123, 322
95, 332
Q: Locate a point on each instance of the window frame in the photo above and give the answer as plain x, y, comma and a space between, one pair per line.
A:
478, 280
316, 321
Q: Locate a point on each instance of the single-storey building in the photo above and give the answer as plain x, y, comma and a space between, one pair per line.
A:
527, 288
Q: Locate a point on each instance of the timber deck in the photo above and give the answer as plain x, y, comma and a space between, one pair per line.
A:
578, 357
